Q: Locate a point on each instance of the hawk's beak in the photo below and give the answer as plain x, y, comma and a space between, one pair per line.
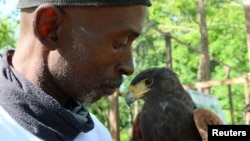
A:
136, 92
130, 98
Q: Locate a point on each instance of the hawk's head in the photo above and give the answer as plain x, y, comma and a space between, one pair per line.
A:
151, 82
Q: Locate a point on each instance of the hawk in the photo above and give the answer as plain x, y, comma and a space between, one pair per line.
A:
168, 112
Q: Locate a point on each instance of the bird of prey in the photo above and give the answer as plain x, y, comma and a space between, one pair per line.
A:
168, 112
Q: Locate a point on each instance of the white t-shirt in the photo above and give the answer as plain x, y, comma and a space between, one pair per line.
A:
99, 133
10, 130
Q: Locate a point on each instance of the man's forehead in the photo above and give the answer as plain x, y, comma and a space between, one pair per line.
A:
34, 3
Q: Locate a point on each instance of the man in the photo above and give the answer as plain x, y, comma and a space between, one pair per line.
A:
68, 53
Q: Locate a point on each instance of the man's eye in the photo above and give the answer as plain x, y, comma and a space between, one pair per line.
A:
119, 45
121, 42
122, 45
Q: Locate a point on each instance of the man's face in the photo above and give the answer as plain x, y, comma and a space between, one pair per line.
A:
95, 50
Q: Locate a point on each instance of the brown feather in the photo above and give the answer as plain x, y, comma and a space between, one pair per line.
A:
136, 132
203, 118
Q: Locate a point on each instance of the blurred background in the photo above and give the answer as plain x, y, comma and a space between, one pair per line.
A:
206, 42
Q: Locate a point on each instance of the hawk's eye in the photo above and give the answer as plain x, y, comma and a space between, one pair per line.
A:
148, 81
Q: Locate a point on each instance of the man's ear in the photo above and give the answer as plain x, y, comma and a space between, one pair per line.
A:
46, 24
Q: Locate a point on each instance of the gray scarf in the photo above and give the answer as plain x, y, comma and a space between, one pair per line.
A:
38, 112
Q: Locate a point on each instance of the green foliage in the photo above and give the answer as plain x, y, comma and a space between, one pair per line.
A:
8, 29
7, 33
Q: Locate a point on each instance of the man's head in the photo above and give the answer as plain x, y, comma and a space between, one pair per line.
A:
79, 52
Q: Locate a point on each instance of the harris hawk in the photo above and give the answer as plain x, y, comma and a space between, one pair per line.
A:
168, 112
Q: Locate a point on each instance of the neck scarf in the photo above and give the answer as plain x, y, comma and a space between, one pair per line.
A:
38, 112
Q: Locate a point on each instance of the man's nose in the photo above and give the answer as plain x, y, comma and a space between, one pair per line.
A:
126, 65
126, 68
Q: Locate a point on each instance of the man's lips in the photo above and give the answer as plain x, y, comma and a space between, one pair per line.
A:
111, 85
114, 83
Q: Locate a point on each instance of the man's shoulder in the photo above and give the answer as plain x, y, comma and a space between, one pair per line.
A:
10, 130
98, 133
